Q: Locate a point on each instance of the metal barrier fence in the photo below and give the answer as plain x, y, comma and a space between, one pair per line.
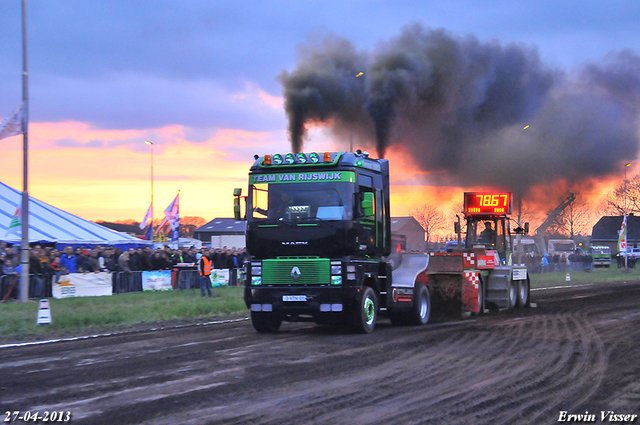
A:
40, 286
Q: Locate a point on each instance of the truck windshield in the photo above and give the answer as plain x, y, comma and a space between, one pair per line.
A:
295, 201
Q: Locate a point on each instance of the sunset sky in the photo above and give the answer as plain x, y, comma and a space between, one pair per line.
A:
200, 80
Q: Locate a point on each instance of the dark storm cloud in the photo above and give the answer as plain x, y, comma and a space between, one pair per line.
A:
460, 106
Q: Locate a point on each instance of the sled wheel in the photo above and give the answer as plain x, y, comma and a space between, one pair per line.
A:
421, 306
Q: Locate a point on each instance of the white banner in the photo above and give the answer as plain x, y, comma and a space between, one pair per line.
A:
159, 280
219, 277
83, 285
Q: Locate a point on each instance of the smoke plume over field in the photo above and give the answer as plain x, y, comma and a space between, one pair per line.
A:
459, 106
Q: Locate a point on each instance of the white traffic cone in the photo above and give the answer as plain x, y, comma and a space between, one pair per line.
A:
44, 313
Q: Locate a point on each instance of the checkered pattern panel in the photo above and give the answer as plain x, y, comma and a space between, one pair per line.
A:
469, 260
473, 278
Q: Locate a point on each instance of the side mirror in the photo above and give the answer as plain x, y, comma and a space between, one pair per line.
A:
367, 204
456, 227
526, 228
236, 208
237, 191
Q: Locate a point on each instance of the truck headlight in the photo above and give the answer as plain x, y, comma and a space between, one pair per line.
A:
336, 280
256, 269
256, 280
336, 269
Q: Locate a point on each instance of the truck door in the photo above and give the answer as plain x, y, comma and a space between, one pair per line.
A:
367, 219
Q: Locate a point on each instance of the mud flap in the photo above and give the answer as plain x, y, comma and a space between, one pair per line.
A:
470, 289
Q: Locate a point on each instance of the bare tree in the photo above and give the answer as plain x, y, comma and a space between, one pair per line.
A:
576, 218
431, 219
613, 202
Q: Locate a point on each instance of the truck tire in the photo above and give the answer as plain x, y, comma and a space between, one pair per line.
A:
266, 323
422, 305
513, 294
363, 317
523, 293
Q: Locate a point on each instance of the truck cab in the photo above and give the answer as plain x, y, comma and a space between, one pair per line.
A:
318, 233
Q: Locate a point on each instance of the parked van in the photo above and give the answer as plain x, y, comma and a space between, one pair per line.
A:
561, 246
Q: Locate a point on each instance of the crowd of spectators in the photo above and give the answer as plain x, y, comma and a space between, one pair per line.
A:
47, 264
543, 263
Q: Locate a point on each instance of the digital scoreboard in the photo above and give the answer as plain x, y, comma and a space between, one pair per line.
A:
487, 203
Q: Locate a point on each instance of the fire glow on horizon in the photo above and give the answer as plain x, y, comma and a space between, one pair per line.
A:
104, 174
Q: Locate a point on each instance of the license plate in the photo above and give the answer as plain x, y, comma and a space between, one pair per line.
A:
294, 298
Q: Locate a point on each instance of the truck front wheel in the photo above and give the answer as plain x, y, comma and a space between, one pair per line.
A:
266, 323
363, 317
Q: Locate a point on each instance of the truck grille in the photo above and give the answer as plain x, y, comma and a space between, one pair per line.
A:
310, 271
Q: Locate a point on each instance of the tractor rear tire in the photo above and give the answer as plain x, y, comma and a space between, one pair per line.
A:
513, 294
523, 293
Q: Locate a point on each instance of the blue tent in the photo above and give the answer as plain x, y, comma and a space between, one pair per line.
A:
48, 224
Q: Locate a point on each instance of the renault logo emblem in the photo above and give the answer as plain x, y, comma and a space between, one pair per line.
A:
295, 273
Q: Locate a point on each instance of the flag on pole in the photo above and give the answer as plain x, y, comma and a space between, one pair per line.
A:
15, 224
149, 235
147, 217
12, 126
622, 236
172, 215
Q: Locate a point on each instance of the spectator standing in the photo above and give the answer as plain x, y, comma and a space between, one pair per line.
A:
232, 265
146, 259
82, 261
35, 268
56, 269
219, 259
135, 259
124, 262
204, 269
93, 264
158, 261
68, 260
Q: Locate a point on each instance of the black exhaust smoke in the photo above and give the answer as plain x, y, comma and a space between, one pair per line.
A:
461, 105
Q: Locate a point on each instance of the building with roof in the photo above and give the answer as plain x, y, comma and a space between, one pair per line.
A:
605, 231
221, 232
410, 229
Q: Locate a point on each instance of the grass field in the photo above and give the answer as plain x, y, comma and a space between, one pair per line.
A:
599, 275
87, 315
119, 311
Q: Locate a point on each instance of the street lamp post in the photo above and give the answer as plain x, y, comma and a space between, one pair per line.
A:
151, 144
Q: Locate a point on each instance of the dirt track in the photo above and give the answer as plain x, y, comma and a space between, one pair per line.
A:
578, 351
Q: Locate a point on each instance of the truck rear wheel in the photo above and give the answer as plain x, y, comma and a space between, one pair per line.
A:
266, 323
523, 293
422, 305
363, 317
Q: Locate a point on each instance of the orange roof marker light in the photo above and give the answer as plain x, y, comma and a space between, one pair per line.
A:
327, 157
526, 126
267, 160
360, 74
